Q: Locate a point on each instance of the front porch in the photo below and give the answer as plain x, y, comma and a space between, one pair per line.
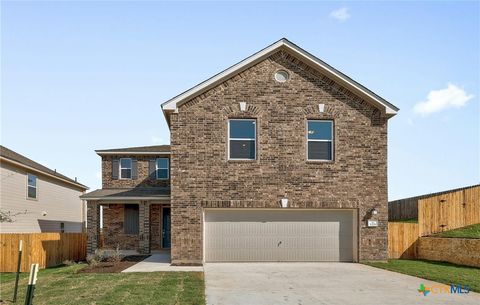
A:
131, 225
135, 228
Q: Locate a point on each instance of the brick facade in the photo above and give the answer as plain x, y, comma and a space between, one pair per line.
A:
143, 179
148, 238
202, 176
155, 227
93, 226
113, 230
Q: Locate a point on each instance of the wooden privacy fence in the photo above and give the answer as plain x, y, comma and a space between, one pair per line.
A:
402, 238
46, 249
449, 211
439, 212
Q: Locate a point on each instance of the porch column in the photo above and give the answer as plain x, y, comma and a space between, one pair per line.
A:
93, 226
144, 227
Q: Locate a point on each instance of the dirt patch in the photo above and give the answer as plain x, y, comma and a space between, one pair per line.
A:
114, 267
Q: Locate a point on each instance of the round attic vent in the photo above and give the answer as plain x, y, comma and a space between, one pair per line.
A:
281, 76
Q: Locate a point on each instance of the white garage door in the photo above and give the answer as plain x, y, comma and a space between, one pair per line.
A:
279, 235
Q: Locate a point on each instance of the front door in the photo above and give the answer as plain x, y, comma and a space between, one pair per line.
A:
166, 228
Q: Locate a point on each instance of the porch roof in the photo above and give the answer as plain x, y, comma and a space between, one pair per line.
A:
137, 193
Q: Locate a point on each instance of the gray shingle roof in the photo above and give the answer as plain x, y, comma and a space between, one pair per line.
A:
14, 156
138, 149
138, 192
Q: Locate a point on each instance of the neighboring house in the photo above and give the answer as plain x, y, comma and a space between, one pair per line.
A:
42, 199
278, 158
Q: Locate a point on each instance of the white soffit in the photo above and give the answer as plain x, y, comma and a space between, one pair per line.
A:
324, 68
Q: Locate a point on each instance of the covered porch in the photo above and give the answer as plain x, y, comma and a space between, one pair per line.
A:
134, 221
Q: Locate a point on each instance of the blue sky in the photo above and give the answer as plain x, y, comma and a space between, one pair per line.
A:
79, 76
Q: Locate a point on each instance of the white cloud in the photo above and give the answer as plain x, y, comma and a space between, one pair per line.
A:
340, 14
438, 100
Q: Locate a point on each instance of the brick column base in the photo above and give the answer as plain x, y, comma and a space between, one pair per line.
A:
93, 226
144, 227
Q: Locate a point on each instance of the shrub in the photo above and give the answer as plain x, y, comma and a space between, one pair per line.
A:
92, 260
116, 256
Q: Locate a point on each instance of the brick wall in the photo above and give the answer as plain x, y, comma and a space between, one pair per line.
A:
93, 226
113, 231
155, 227
143, 179
202, 177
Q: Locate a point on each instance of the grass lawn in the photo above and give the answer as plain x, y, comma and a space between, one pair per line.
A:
472, 231
63, 285
445, 273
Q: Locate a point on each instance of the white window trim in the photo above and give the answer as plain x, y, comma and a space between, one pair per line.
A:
317, 140
242, 139
36, 188
167, 168
120, 169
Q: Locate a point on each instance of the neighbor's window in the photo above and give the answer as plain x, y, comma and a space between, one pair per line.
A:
242, 139
130, 224
31, 186
320, 140
162, 168
125, 168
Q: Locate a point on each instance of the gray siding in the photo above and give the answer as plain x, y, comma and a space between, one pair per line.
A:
59, 200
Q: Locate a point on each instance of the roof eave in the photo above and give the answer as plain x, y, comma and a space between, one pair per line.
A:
104, 153
32, 169
116, 198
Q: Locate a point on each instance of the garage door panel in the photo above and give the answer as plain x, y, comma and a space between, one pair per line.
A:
279, 235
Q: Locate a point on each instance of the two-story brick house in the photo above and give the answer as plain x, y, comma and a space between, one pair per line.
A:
134, 199
278, 158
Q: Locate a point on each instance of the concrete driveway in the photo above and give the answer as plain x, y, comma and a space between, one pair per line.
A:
318, 283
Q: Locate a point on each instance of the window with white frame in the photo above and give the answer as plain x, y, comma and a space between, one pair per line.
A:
125, 168
320, 140
162, 168
31, 186
242, 139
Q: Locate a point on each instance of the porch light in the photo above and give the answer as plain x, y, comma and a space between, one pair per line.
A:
284, 202
374, 211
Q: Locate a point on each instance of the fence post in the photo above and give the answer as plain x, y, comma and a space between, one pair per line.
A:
20, 249
32, 280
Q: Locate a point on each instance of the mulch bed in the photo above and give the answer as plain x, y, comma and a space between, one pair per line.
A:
114, 267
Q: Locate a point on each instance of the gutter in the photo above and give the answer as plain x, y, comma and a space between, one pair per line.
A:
124, 198
101, 153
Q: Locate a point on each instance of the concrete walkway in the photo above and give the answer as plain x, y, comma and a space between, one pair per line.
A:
318, 283
160, 262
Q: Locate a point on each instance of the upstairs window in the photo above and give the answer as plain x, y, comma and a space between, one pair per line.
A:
320, 140
125, 168
242, 139
31, 186
161, 168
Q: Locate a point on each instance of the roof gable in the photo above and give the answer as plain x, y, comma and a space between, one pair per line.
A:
337, 76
